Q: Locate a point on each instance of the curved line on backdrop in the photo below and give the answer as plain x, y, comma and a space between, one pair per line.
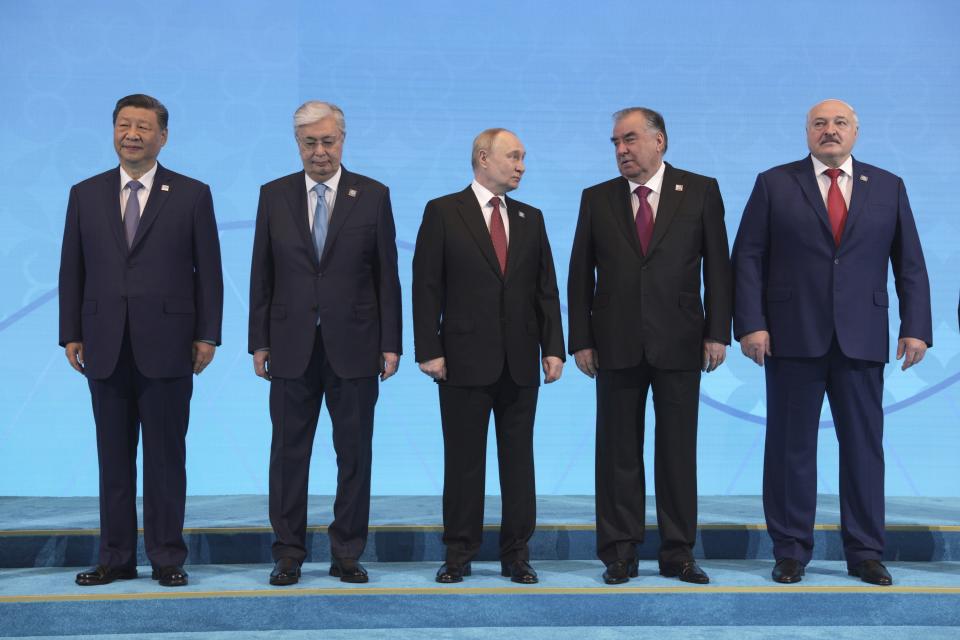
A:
707, 400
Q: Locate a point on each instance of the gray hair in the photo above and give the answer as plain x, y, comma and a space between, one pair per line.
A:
654, 120
315, 110
856, 119
484, 142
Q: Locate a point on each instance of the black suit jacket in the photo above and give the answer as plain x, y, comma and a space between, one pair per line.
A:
353, 287
168, 286
629, 306
465, 310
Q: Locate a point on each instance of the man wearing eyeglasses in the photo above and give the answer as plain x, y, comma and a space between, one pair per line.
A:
324, 323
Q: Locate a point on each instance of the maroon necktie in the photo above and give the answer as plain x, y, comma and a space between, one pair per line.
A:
836, 206
498, 235
644, 218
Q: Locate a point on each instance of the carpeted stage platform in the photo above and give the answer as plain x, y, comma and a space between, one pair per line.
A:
43, 540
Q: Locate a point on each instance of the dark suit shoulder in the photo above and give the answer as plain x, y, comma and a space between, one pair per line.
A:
606, 187
523, 206
689, 177
366, 182
100, 178
165, 175
294, 180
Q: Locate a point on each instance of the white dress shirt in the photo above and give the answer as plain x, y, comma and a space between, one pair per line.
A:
655, 184
844, 180
146, 180
330, 195
484, 196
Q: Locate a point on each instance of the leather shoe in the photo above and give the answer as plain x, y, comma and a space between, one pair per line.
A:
450, 572
519, 571
787, 571
286, 571
620, 571
173, 576
872, 571
348, 570
103, 574
687, 571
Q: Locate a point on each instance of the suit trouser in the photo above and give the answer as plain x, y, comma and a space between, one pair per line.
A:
294, 411
620, 479
125, 404
795, 390
465, 415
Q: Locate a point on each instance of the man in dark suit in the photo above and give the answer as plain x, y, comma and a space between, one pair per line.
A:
636, 322
486, 317
141, 301
324, 322
810, 265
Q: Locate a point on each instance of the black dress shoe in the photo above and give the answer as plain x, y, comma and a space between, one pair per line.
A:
348, 570
286, 571
620, 571
872, 571
519, 571
173, 576
787, 571
687, 571
450, 572
102, 574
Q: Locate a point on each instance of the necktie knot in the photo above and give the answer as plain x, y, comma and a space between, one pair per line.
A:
134, 185
495, 203
833, 174
642, 191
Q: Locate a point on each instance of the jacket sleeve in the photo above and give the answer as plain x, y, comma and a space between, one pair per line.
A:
910, 275
548, 301
261, 280
581, 281
428, 286
750, 263
388, 280
208, 271
717, 277
72, 275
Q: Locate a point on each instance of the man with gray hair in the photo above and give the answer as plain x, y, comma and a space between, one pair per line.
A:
486, 318
324, 322
637, 322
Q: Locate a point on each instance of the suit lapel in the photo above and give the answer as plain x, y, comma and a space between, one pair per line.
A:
858, 195
472, 216
347, 193
803, 171
111, 208
670, 197
296, 195
518, 231
622, 209
157, 198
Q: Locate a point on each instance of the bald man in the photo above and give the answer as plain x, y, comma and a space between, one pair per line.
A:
810, 267
486, 318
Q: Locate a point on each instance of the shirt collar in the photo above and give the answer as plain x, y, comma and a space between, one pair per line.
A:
146, 179
332, 183
655, 183
483, 194
846, 167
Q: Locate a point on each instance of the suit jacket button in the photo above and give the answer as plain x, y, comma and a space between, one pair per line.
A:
836, 261
320, 274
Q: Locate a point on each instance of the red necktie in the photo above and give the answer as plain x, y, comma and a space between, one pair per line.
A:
836, 206
498, 234
644, 218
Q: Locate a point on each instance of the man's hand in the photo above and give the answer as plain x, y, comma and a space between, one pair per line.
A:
389, 362
261, 363
552, 368
74, 352
202, 356
756, 346
436, 368
586, 360
714, 353
912, 348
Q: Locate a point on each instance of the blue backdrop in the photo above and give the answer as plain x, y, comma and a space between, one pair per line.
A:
417, 81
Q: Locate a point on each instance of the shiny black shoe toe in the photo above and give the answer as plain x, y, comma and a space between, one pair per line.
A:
519, 571
173, 576
620, 571
348, 570
286, 571
787, 571
872, 572
687, 571
103, 574
449, 573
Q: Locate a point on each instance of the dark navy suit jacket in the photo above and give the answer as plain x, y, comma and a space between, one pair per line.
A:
792, 280
167, 287
353, 287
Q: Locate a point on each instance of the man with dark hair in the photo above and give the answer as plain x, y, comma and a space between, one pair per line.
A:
324, 323
141, 301
637, 322
486, 317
